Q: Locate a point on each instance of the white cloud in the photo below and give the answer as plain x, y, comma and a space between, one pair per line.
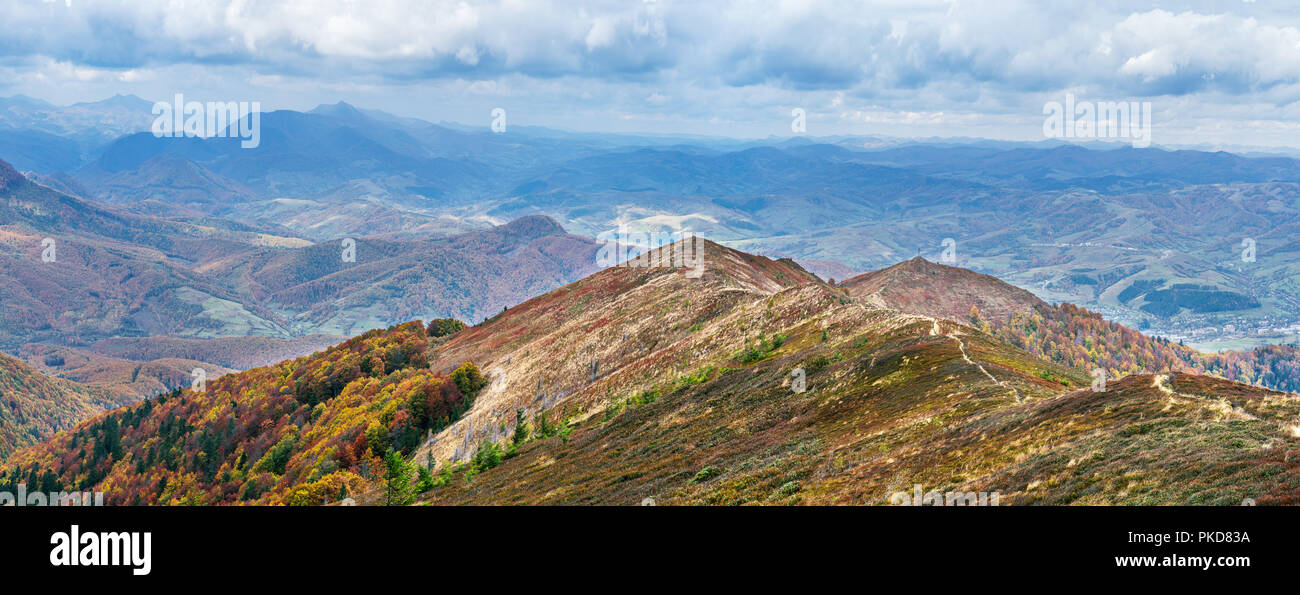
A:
1241, 53
895, 62
601, 34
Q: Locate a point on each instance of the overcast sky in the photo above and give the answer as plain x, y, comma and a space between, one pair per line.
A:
1218, 73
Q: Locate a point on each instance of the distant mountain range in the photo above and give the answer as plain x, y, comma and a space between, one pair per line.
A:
120, 274
1149, 237
80, 280
35, 134
757, 383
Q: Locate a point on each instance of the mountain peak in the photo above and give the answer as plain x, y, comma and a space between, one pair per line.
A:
533, 226
919, 286
129, 102
341, 109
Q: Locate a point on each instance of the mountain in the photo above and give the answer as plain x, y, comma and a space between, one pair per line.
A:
31, 149
736, 195
1062, 333
256, 435
336, 171
305, 155
922, 287
173, 181
472, 275
1151, 238
33, 406
122, 274
752, 383
111, 273
127, 381
87, 124
693, 404
1073, 166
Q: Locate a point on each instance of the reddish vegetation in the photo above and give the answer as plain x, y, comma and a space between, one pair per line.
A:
297, 432
1073, 336
1065, 334
128, 381
924, 287
240, 353
34, 406
642, 382
469, 276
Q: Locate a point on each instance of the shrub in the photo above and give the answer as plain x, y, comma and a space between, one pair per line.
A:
706, 474
469, 380
442, 327
762, 349
427, 481
817, 364
700, 376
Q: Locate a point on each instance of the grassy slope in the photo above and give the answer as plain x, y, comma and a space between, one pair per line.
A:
691, 403
895, 405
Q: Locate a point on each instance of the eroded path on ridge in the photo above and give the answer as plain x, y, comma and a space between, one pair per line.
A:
1159, 383
936, 331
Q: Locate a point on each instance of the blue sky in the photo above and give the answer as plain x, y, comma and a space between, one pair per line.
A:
1216, 73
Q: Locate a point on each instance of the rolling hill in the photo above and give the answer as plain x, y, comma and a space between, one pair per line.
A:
34, 406
919, 286
128, 381
117, 273
756, 383
470, 276
1063, 333
1087, 225
113, 273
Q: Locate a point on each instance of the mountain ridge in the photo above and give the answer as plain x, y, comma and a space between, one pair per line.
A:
752, 383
